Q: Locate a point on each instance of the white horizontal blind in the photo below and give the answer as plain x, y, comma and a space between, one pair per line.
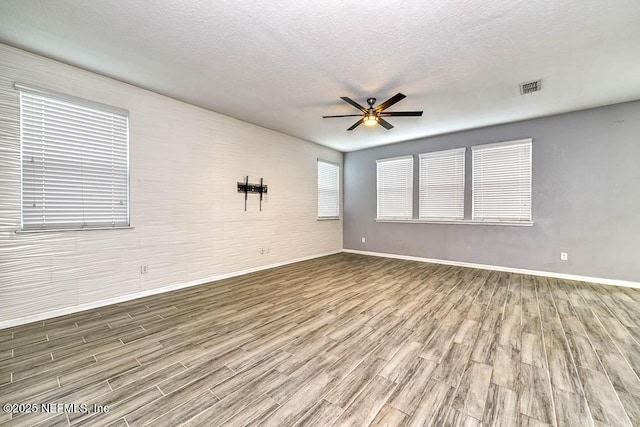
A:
395, 188
328, 190
442, 185
74, 163
502, 181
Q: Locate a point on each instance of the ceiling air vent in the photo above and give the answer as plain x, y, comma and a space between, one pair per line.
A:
529, 87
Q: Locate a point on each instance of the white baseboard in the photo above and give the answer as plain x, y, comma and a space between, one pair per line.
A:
499, 268
123, 298
88, 306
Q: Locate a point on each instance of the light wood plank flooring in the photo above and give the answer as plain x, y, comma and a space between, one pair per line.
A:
344, 340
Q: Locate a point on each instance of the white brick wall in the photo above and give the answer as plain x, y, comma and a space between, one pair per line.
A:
189, 221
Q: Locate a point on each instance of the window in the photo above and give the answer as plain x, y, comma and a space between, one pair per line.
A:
328, 190
502, 181
395, 188
442, 185
75, 171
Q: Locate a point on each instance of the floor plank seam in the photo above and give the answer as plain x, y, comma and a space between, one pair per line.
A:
546, 357
606, 373
486, 310
474, 344
566, 342
602, 365
626, 359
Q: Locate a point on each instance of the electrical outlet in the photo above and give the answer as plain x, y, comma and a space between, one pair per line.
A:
364, 240
564, 256
144, 268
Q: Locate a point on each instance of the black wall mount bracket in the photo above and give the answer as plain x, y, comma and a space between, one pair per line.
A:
246, 188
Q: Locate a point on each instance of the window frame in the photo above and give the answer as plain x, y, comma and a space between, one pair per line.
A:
422, 183
337, 190
79, 104
410, 188
503, 220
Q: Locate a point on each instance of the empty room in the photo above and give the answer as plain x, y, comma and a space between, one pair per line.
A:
302, 213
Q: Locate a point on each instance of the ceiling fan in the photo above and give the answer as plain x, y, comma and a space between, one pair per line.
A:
374, 115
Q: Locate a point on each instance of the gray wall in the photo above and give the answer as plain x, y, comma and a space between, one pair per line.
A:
586, 199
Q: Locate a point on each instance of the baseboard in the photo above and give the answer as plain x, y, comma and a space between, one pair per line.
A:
598, 280
88, 306
129, 297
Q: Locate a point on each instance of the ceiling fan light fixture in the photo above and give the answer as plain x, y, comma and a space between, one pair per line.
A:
372, 116
370, 120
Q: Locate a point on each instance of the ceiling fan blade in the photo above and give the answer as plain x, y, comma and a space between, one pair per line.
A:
402, 113
389, 102
356, 124
354, 103
385, 124
344, 115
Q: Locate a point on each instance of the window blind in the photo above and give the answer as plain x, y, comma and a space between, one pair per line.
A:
328, 190
502, 181
395, 188
442, 185
75, 171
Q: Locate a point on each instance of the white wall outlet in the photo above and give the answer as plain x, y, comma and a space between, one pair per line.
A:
564, 256
364, 240
144, 268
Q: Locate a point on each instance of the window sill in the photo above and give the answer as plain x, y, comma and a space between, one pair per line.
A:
459, 222
329, 218
56, 230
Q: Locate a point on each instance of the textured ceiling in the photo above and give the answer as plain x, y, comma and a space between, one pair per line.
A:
283, 64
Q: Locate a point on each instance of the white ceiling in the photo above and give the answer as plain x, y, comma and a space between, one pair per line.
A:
283, 64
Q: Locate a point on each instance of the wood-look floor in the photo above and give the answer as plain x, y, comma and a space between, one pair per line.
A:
344, 340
